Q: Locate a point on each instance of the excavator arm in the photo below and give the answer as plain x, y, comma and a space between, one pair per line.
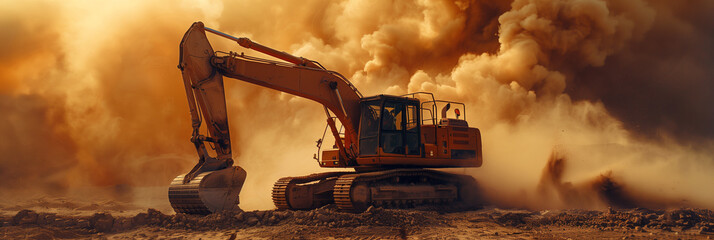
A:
203, 70
205, 94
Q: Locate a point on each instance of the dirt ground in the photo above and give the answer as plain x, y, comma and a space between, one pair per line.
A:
58, 218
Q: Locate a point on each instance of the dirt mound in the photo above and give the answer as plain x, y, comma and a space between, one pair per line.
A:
327, 216
701, 220
316, 223
72, 206
331, 217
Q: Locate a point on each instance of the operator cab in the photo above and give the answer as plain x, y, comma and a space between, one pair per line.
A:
399, 131
389, 125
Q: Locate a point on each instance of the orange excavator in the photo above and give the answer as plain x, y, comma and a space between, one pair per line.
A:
393, 143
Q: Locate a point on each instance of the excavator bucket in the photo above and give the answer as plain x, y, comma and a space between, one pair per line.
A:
208, 192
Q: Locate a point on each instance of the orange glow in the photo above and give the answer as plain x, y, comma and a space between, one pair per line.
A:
90, 94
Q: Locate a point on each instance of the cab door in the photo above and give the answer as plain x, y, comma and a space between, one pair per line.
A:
400, 128
392, 128
411, 130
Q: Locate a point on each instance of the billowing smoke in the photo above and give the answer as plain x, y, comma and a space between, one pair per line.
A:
587, 104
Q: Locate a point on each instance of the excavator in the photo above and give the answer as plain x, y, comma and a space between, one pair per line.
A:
392, 143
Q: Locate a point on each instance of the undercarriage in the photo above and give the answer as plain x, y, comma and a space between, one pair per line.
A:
355, 192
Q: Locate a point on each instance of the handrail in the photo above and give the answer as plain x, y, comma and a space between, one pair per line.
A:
430, 114
452, 102
422, 105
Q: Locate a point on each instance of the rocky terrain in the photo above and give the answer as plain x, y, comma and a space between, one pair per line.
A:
60, 218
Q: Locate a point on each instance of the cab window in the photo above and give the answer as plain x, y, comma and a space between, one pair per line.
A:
369, 128
392, 140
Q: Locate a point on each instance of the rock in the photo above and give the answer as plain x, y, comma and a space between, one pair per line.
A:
140, 219
82, 223
153, 212
323, 218
512, 219
25, 217
369, 209
260, 214
102, 222
122, 224
46, 218
156, 217
272, 220
252, 220
637, 221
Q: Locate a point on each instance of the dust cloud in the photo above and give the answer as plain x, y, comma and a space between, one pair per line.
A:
585, 104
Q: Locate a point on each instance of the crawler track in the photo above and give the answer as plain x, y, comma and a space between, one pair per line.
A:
282, 188
398, 188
